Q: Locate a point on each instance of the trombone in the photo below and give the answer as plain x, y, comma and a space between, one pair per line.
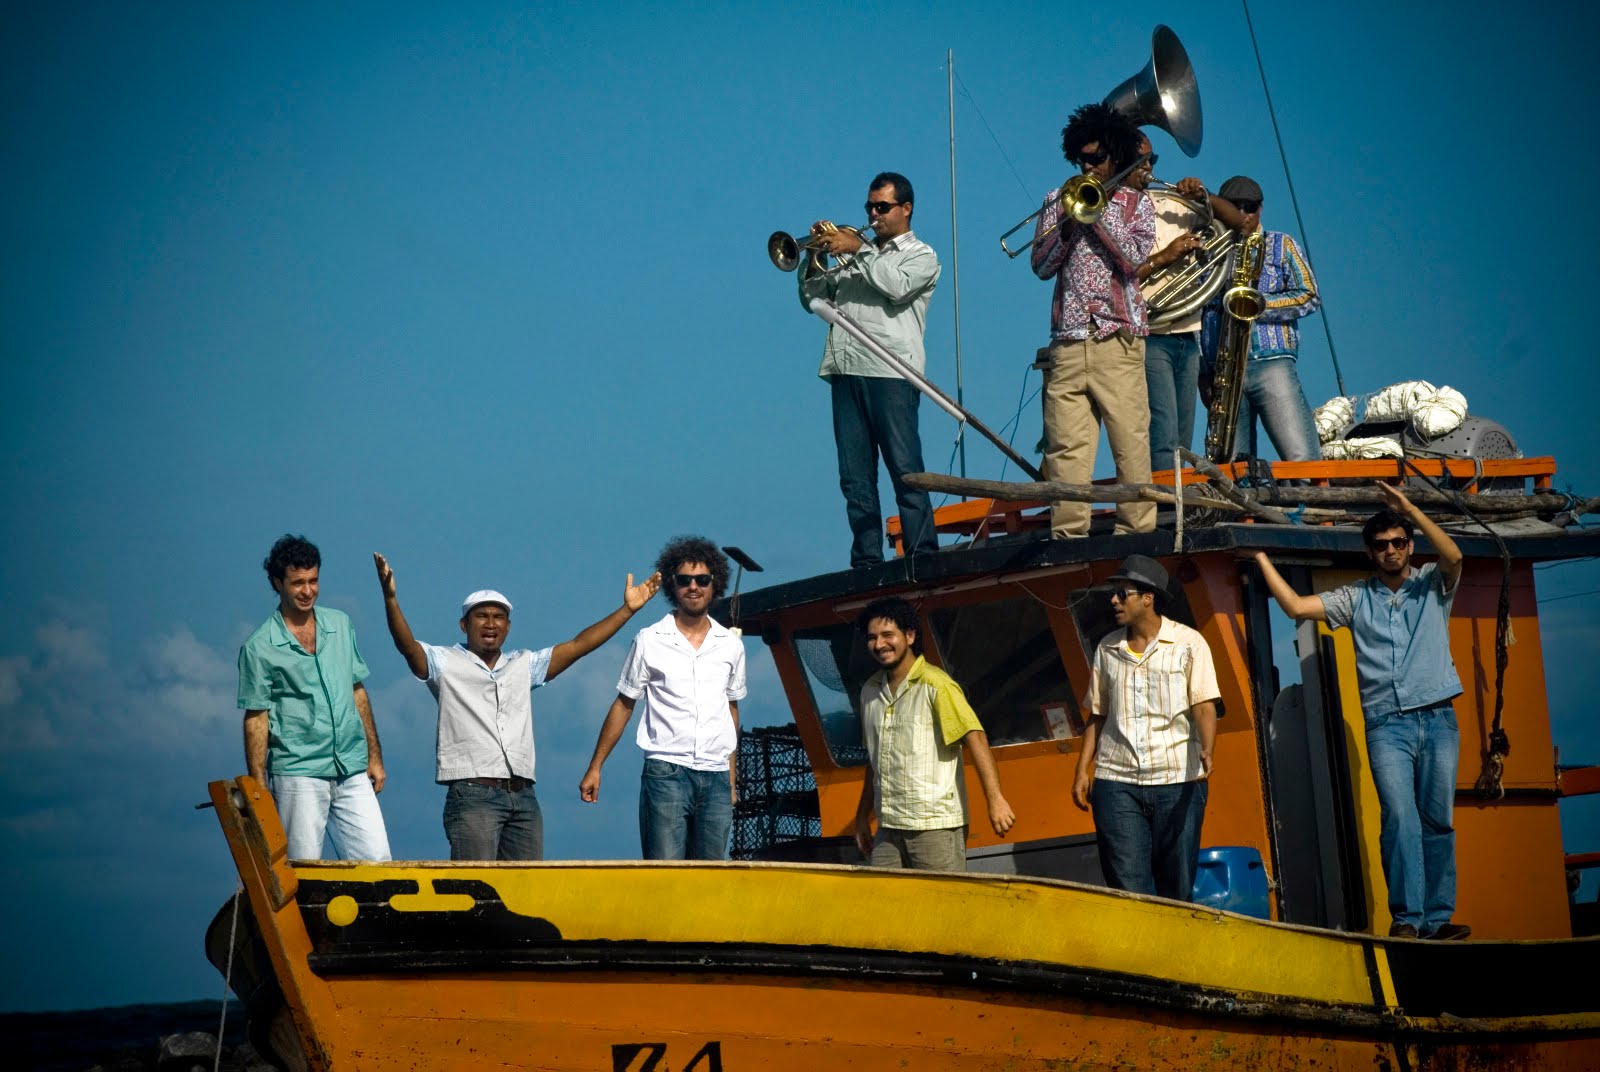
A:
785, 249
1084, 198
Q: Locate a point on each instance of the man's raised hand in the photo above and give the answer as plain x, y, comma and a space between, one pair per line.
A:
635, 596
385, 574
1395, 499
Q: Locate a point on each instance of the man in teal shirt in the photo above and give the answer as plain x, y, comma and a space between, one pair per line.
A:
307, 720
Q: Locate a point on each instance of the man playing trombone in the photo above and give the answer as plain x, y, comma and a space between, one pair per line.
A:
885, 287
1094, 366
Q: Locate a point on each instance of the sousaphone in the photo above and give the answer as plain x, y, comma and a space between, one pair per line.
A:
1165, 94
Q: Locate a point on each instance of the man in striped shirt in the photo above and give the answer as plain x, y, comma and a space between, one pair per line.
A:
915, 721
1147, 748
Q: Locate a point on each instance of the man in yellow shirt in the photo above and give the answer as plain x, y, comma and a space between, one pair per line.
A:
915, 720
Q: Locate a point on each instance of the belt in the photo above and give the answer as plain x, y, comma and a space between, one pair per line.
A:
509, 785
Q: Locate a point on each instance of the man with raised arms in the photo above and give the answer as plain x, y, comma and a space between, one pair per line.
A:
689, 670
1399, 619
307, 719
485, 751
915, 722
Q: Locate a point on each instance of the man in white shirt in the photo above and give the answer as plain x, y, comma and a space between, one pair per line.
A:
485, 743
1152, 727
689, 669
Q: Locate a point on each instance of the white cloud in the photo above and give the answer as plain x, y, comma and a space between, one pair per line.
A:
65, 646
179, 655
66, 694
12, 668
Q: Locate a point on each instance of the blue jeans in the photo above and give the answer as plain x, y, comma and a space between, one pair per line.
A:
346, 809
485, 823
1414, 756
1149, 835
1272, 389
1172, 382
684, 814
873, 415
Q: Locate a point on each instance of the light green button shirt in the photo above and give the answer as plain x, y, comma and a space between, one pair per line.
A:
886, 290
913, 739
313, 728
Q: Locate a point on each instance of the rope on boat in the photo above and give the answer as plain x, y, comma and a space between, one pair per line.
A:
227, 976
1305, 236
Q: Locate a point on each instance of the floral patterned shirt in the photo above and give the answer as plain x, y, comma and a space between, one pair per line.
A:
1096, 266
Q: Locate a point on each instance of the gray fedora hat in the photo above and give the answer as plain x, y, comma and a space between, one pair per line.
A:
1142, 570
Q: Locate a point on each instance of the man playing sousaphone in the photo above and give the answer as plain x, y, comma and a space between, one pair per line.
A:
884, 287
1172, 349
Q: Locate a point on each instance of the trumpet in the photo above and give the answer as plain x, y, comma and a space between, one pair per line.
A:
785, 249
1083, 198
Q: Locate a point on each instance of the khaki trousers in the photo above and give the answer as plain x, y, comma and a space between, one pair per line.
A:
1088, 383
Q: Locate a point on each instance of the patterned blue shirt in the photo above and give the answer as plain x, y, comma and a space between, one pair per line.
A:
1402, 640
1291, 293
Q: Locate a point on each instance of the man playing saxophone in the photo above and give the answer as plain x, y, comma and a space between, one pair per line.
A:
1272, 382
1094, 365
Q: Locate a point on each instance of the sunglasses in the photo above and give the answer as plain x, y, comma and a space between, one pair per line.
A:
1091, 159
684, 580
1125, 594
1384, 545
1248, 207
881, 208
1155, 158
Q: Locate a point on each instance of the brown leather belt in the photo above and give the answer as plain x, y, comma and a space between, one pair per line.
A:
509, 785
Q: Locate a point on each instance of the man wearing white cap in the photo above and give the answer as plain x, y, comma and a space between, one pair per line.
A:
485, 742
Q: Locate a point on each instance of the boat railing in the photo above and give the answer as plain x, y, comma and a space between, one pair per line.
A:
980, 517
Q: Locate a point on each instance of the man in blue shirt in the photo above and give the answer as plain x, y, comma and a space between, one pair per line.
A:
1399, 620
307, 719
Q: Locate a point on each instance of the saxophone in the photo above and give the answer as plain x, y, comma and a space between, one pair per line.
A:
1241, 304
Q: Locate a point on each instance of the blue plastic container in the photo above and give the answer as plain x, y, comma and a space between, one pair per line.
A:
1231, 878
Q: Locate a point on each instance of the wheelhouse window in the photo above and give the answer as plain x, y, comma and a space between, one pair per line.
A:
1004, 656
837, 665
1091, 610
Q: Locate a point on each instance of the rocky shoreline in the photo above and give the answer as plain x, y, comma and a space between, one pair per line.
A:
177, 1037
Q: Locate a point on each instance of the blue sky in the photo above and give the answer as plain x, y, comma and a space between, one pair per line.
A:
484, 289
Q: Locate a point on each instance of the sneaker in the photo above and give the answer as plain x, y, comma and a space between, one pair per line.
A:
1450, 932
1403, 930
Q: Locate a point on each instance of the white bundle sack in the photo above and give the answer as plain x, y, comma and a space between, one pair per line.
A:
1334, 418
1432, 411
1368, 448
1439, 413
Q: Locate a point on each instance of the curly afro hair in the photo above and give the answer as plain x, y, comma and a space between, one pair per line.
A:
1101, 123
688, 549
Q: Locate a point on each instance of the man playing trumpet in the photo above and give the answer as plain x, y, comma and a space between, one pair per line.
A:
885, 287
